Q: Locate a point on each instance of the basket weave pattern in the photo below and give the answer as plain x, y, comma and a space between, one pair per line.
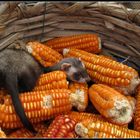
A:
117, 26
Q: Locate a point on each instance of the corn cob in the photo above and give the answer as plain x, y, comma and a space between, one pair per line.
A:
137, 111
108, 57
52, 80
41, 128
38, 106
43, 54
61, 127
100, 129
106, 71
87, 42
80, 116
111, 104
21, 133
71, 134
2, 134
80, 89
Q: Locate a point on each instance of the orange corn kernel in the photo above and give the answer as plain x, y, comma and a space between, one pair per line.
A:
81, 116
111, 104
87, 42
100, 129
137, 111
103, 70
38, 106
61, 127
43, 54
79, 90
41, 128
52, 80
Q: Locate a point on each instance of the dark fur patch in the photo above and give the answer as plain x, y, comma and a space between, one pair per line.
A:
19, 72
75, 72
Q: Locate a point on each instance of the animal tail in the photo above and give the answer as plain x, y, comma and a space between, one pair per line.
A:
12, 87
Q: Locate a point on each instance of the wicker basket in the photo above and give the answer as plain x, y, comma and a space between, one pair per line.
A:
118, 27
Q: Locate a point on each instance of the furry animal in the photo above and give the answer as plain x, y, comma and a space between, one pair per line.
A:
74, 68
19, 72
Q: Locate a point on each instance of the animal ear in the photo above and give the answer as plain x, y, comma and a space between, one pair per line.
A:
82, 62
65, 66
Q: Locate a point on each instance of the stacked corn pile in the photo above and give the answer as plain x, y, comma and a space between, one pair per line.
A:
113, 94
108, 106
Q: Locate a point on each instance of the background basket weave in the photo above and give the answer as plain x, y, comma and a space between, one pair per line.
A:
132, 4
118, 26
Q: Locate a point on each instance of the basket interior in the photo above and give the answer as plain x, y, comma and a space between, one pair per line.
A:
117, 26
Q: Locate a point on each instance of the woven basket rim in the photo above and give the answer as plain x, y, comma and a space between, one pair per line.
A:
45, 20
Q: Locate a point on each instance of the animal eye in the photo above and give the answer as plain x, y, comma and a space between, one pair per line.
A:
76, 76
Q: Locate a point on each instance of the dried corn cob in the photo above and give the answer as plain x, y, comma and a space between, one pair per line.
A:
71, 134
38, 106
107, 71
61, 127
100, 129
108, 57
21, 133
2, 134
80, 116
52, 80
111, 104
80, 89
45, 55
137, 111
41, 128
87, 42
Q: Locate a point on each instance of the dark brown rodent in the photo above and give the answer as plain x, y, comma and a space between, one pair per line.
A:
19, 72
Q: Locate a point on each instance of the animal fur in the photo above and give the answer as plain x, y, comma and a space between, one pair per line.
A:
18, 73
74, 68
